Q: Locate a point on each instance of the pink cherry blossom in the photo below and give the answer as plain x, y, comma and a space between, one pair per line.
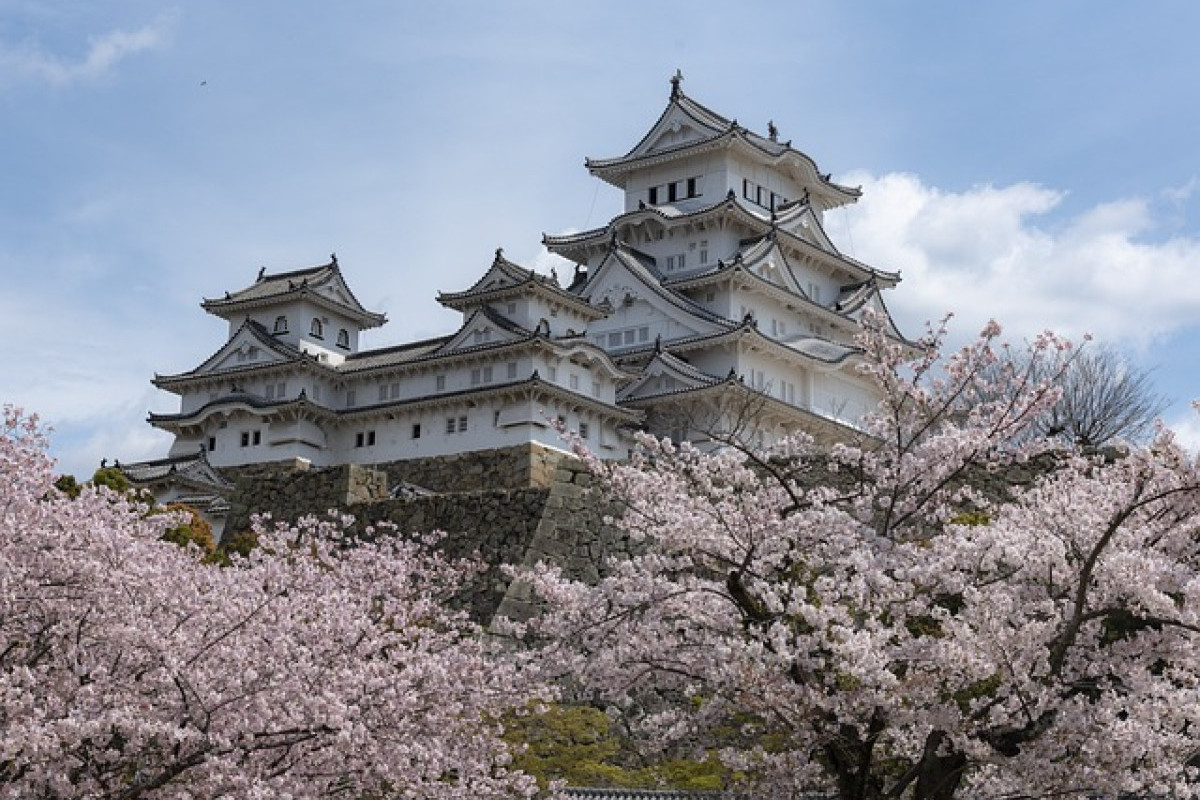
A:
316, 668
948, 608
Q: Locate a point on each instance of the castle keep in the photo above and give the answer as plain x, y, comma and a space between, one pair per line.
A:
714, 305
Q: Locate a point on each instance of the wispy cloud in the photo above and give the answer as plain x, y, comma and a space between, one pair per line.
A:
33, 63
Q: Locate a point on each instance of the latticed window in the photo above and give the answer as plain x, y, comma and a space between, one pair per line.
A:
317, 329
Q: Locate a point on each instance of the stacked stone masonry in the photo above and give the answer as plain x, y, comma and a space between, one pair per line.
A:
512, 507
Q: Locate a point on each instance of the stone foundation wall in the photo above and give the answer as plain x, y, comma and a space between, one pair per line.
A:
506, 468
524, 505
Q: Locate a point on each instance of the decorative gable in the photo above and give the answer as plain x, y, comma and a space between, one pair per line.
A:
483, 328
666, 374
634, 298
249, 347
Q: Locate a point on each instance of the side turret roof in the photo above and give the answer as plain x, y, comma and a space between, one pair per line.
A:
506, 279
322, 285
706, 130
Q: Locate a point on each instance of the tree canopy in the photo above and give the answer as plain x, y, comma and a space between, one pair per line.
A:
920, 614
130, 668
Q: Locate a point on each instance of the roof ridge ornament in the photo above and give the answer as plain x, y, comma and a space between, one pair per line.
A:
333, 260
499, 254
676, 79
262, 271
772, 131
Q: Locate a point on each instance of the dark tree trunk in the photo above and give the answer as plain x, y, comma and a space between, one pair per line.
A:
941, 769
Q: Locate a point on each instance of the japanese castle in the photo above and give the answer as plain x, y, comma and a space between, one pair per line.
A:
714, 305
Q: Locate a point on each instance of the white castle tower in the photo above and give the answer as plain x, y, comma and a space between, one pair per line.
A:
715, 306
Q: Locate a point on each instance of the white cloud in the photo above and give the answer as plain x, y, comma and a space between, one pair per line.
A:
32, 63
1187, 430
999, 252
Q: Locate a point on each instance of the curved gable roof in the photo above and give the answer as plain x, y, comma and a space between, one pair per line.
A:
505, 279
711, 130
323, 285
622, 258
250, 331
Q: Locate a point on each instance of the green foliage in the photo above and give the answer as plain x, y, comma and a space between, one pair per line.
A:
971, 518
985, 687
113, 478
68, 486
578, 744
240, 543
195, 530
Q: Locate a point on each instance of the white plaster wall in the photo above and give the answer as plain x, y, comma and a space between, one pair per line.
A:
706, 169
843, 398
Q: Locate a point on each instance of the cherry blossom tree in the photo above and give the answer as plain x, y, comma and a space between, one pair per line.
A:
950, 607
131, 669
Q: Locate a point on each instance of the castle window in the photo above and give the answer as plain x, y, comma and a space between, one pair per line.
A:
383, 391
280, 324
512, 370
614, 339
441, 383
653, 195
343, 339
462, 424
704, 251
573, 380
552, 373
450, 421
416, 430
212, 443
475, 377
644, 334
583, 430
351, 397
370, 438
512, 308
358, 439
245, 438
691, 188
629, 334
595, 388
316, 330
495, 419
672, 192
257, 440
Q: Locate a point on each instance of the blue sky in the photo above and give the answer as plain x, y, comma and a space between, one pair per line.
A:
1035, 162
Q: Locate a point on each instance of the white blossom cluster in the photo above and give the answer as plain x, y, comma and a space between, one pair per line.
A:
314, 668
925, 613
